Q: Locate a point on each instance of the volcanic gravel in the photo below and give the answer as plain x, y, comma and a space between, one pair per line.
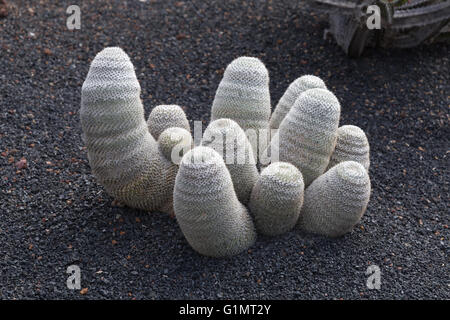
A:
53, 214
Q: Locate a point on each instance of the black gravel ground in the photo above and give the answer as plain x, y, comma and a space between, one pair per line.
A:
53, 214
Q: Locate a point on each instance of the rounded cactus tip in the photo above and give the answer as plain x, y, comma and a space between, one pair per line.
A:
201, 155
249, 70
111, 77
335, 202
321, 96
174, 143
309, 81
352, 172
295, 89
112, 58
229, 139
352, 145
308, 133
166, 116
277, 198
112, 52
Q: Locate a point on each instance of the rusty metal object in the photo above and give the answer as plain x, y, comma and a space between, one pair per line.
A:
404, 23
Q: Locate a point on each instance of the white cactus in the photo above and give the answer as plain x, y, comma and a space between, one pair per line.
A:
292, 93
351, 145
243, 96
307, 135
174, 143
123, 155
207, 209
277, 198
335, 202
163, 117
229, 140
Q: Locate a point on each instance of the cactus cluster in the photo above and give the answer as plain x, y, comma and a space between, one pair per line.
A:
317, 179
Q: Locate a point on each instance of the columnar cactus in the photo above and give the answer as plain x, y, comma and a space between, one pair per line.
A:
174, 142
292, 93
243, 96
336, 201
229, 140
207, 209
351, 145
277, 198
307, 135
123, 155
166, 116
209, 193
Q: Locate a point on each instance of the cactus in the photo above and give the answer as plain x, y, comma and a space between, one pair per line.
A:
216, 179
277, 198
307, 135
336, 200
166, 116
172, 138
123, 155
243, 96
207, 209
351, 145
229, 140
292, 93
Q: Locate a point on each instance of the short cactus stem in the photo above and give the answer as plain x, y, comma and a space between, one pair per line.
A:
277, 198
307, 135
163, 117
335, 202
352, 145
243, 96
207, 209
292, 93
174, 143
229, 140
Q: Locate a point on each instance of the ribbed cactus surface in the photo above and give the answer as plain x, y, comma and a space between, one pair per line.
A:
229, 140
307, 135
163, 117
123, 155
351, 145
277, 198
336, 201
174, 142
243, 96
292, 93
207, 209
